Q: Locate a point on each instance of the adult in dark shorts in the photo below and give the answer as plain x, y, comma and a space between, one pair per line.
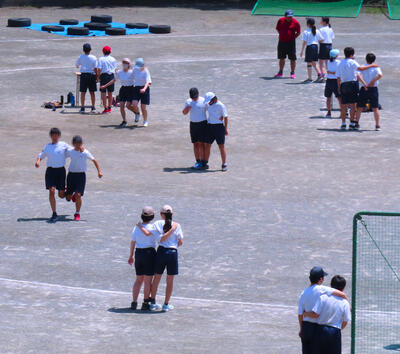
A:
106, 66
196, 106
288, 29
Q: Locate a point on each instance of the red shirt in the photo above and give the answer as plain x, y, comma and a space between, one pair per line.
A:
288, 30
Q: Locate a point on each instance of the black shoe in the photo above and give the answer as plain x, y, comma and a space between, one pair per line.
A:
357, 126
328, 115
123, 124
224, 167
152, 301
205, 166
145, 306
377, 128
93, 109
133, 305
53, 217
82, 110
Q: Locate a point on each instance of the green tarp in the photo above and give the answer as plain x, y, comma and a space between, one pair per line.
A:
394, 9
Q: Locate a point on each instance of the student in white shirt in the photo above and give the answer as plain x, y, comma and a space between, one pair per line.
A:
331, 85
198, 125
326, 45
141, 90
370, 94
217, 128
55, 172
125, 76
311, 38
76, 179
332, 314
106, 66
307, 301
88, 68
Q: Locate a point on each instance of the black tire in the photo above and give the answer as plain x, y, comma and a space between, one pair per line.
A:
101, 18
160, 29
97, 26
49, 28
68, 21
78, 31
19, 22
115, 31
137, 25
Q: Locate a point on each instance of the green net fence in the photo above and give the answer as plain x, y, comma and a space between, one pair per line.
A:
394, 9
376, 283
344, 8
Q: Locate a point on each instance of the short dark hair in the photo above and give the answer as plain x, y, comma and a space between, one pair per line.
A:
370, 58
147, 218
77, 139
193, 92
338, 282
326, 20
348, 52
315, 280
55, 131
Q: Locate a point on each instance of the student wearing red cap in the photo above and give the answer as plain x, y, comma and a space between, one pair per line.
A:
105, 73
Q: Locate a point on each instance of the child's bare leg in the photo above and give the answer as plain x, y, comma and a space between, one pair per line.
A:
223, 153
83, 94
143, 107
352, 111
104, 99
147, 286
358, 114
136, 287
169, 288
343, 111
52, 199
309, 71
61, 194
78, 203
154, 285
315, 66
122, 110
329, 104
376, 116
110, 99
321, 65
93, 98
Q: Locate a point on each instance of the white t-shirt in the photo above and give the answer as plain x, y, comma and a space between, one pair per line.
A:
78, 160
107, 64
198, 109
309, 298
87, 63
327, 34
333, 66
215, 112
55, 154
309, 38
143, 241
172, 241
370, 74
332, 311
141, 77
126, 77
347, 70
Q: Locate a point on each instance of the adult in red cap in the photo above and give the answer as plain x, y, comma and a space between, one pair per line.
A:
105, 73
288, 29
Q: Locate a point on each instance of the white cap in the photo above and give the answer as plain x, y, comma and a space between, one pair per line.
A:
208, 97
166, 209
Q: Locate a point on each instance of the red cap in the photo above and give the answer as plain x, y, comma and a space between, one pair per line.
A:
106, 49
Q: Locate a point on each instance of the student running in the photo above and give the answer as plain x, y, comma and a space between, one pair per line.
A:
331, 85
370, 94
125, 76
87, 63
311, 38
55, 172
141, 90
76, 179
198, 126
217, 128
326, 45
105, 73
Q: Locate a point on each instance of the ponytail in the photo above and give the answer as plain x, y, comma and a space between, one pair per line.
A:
168, 222
314, 30
311, 24
326, 20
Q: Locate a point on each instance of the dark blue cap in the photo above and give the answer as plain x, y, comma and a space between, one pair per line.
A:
317, 273
289, 13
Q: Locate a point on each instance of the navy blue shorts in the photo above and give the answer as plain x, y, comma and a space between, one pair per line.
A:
328, 340
145, 260
198, 131
371, 95
215, 132
311, 53
88, 81
126, 94
55, 177
166, 258
105, 79
331, 87
324, 50
143, 98
349, 92
287, 49
76, 182
308, 337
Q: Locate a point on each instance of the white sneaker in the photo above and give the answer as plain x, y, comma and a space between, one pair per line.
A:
154, 307
168, 307
146, 123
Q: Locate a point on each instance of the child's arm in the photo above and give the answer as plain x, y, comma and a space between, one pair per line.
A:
180, 242
40, 157
302, 48
99, 173
226, 125
143, 90
338, 84
366, 67
360, 78
108, 84
311, 314
141, 228
130, 260
186, 110
167, 235
372, 83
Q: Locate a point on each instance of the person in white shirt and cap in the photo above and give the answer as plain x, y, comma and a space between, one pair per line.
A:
106, 66
217, 128
141, 90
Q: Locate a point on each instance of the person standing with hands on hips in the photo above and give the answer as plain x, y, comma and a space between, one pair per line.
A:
141, 90
105, 73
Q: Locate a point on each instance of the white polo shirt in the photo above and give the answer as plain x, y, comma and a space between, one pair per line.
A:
347, 70
126, 77
197, 109
332, 311
215, 112
370, 74
309, 38
143, 241
333, 66
78, 160
327, 34
141, 77
55, 154
107, 64
87, 63
309, 298
172, 241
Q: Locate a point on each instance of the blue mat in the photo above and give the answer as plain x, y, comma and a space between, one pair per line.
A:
38, 27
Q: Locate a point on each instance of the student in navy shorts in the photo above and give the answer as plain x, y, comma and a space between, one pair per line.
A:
106, 66
141, 89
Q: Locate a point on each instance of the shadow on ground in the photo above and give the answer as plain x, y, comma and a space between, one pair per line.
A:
129, 310
187, 170
61, 218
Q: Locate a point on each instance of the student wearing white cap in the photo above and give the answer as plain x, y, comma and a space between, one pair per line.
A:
217, 127
198, 125
331, 85
106, 66
141, 90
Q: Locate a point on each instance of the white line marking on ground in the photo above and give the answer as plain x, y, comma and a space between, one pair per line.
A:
77, 288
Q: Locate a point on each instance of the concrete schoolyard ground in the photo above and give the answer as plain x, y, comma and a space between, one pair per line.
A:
251, 234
